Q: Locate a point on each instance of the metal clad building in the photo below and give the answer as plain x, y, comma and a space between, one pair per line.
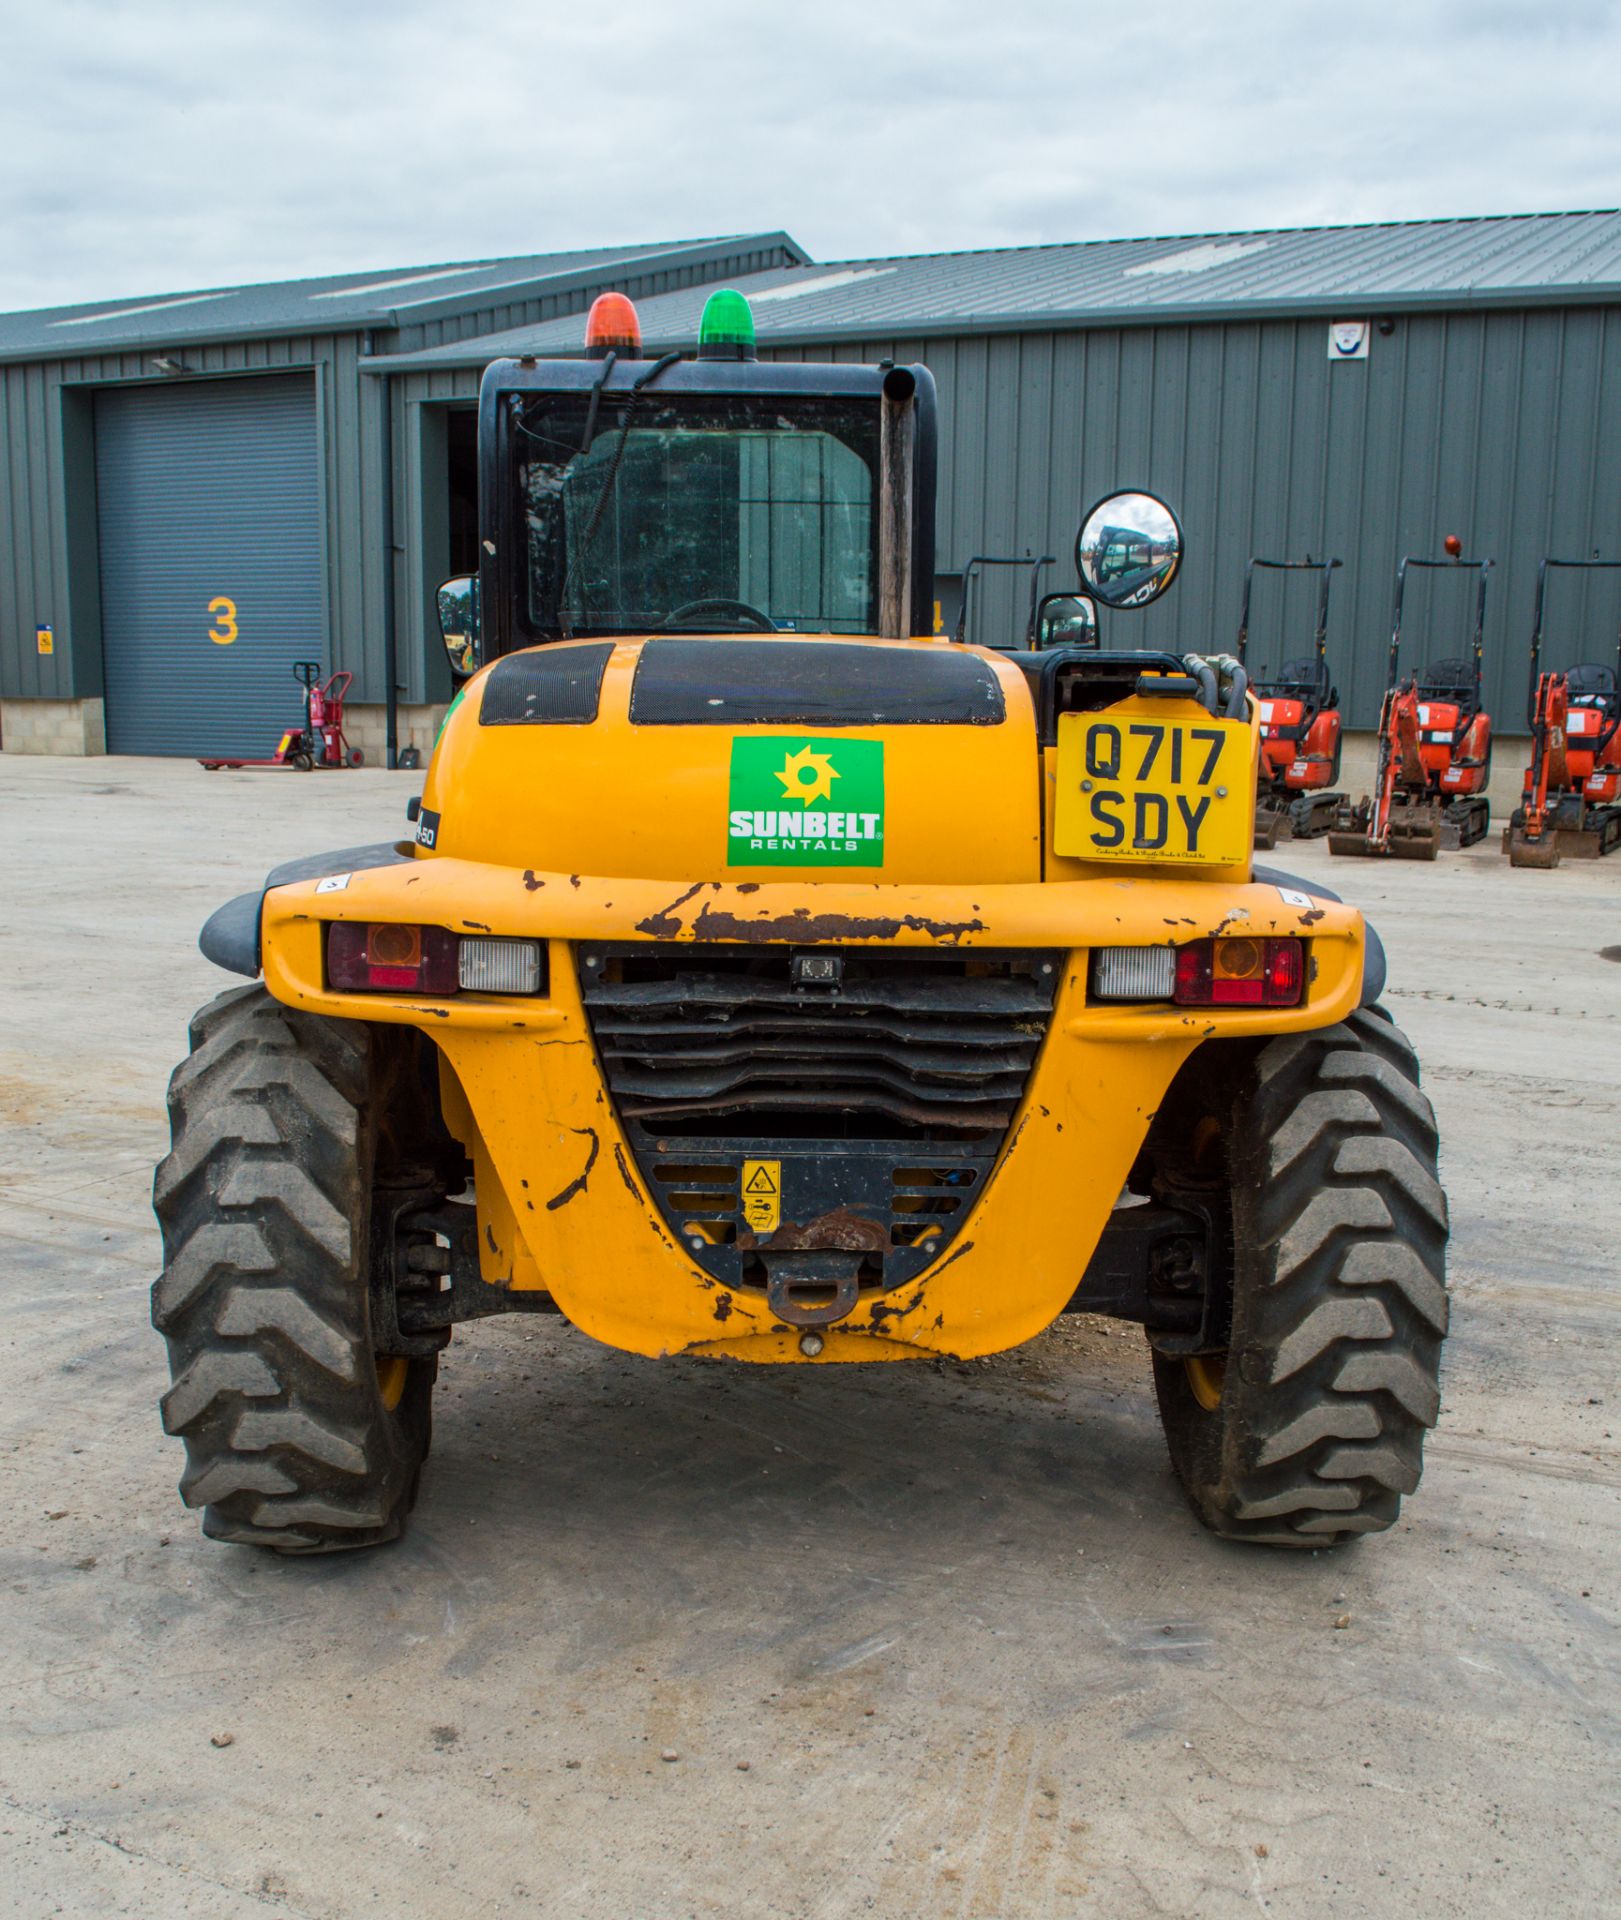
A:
60, 368
1483, 399
1488, 405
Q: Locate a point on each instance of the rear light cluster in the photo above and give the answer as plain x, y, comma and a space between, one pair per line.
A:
1241, 972
389, 958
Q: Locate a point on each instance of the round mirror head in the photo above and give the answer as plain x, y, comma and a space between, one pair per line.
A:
1066, 620
1128, 549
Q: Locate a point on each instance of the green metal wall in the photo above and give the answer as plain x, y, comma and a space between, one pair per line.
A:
1503, 427
48, 535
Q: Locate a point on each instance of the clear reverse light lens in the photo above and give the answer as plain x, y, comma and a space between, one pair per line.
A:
1131, 973
500, 966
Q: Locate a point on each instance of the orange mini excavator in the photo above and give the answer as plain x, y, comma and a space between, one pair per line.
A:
1571, 802
1300, 724
1435, 746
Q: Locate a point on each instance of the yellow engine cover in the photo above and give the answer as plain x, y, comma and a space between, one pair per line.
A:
818, 798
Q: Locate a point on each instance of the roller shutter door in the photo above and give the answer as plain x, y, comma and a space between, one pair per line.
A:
209, 518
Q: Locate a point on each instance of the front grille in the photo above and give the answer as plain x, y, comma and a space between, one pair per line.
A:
722, 1039
879, 1100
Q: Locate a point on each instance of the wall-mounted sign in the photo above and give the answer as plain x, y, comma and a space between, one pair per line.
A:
1348, 339
45, 639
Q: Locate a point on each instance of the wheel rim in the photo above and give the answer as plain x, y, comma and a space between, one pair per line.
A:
1206, 1375
391, 1371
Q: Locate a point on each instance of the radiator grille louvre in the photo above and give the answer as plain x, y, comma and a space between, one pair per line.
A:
720, 1039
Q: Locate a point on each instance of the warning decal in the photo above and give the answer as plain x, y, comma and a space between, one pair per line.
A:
762, 1195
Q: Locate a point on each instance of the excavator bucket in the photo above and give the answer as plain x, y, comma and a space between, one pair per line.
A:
1414, 833
1601, 835
1414, 846
1270, 823
1418, 831
1350, 842
1542, 851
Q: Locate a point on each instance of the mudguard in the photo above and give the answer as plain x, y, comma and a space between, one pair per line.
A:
1374, 970
230, 935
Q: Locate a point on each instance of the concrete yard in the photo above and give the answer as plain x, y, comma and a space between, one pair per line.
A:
925, 1640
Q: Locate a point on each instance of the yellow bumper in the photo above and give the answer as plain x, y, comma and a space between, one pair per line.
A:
562, 1205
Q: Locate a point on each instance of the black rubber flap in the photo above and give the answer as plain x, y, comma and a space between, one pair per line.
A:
230, 935
551, 686
732, 683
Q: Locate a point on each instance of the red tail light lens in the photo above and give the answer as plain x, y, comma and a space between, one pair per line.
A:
1285, 978
1193, 965
390, 958
1240, 973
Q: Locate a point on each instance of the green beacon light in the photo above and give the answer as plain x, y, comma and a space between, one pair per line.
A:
726, 331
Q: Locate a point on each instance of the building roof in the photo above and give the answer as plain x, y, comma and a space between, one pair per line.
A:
1342, 272
338, 303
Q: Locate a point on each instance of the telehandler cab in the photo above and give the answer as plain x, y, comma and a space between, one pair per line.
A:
771, 979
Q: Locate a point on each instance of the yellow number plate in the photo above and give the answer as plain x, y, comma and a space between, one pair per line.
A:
1136, 785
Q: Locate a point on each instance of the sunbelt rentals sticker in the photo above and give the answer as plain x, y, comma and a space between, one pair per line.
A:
796, 802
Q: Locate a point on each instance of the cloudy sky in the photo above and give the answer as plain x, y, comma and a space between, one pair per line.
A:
177, 144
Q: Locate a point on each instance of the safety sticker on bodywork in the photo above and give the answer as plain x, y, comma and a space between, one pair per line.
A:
762, 1195
795, 802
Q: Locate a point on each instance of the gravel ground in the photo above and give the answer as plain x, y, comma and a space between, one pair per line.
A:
673, 1639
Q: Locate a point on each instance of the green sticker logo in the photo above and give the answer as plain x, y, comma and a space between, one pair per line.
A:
806, 803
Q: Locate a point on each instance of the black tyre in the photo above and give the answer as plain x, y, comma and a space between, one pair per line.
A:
298, 1435
1310, 1427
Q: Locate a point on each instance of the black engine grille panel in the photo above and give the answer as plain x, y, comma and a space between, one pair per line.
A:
722, 1037
882, 1099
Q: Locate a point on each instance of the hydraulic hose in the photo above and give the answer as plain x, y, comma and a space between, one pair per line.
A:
1205, 674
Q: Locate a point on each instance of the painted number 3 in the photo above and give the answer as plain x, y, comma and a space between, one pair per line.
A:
223, 631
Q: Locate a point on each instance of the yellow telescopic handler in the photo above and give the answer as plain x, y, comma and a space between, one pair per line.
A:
770, 979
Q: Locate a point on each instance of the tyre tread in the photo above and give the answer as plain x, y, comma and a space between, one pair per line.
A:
263, 1202
1333, 1375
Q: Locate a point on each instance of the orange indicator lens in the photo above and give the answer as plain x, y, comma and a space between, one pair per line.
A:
392, 946
1238, 959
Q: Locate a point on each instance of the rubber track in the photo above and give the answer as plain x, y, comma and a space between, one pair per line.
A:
263, 1202
1340, 1300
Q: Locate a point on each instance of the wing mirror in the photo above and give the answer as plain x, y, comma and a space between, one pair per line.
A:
1065, 620
458, 622
1128, 550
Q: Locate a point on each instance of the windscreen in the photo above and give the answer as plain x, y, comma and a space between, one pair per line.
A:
1124, 551
752, 511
